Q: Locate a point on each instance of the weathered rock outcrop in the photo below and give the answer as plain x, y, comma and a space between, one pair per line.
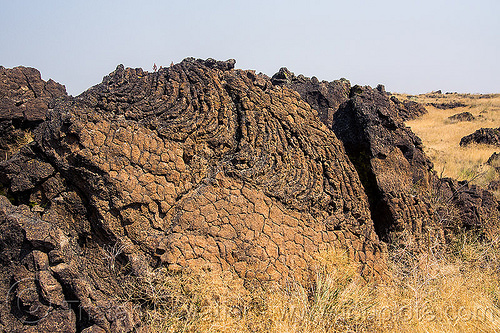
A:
202, 166
24, 101
405, 194
389, 159
324, 96
488, 136
408, 110
474, 207
52, 284
197, 165
232, 162
494, 161
449, 105
463, 116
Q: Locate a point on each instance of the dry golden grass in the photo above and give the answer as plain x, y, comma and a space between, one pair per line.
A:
452, 289
439, 290
441, 137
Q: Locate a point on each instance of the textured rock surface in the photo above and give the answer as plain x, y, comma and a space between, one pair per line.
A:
494, 161
50, 282
389, 160
387, 155
408, 110
219, 157
473, 206
449, 105
463, 116
203, 166
405, 194
197, 165
324, 96
489, 136
24, 101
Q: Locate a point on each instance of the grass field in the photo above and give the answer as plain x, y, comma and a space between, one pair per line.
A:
441, 137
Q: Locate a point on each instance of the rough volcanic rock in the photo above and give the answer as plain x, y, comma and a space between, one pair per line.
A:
408, 110
473, 206
24, 101
388, 157
210, 166
324, 96
52, 284
202, 166
494, 160
397, 175
197, 165
489, 136
389, 160
494, 185
464, 116
448, 105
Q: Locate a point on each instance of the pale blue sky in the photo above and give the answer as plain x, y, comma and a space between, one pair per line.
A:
410, 46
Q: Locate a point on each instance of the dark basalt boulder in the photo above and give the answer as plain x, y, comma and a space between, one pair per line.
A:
389, 159
51, 283
199, 166
488, 136
474, 207
404, 192
494, 185
324, 96
408, 110
24, 101
463, 116
494, 160
448, 105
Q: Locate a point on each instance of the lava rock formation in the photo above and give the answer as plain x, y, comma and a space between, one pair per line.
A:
198, 166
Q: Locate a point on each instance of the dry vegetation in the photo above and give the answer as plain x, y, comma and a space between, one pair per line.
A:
441, 137
452, 288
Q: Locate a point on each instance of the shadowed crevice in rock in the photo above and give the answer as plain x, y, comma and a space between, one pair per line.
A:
379, 209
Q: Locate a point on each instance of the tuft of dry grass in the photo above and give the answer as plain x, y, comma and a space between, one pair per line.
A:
338, 300
186, 301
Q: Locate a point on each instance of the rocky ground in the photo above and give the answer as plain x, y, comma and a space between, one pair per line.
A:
205, 167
